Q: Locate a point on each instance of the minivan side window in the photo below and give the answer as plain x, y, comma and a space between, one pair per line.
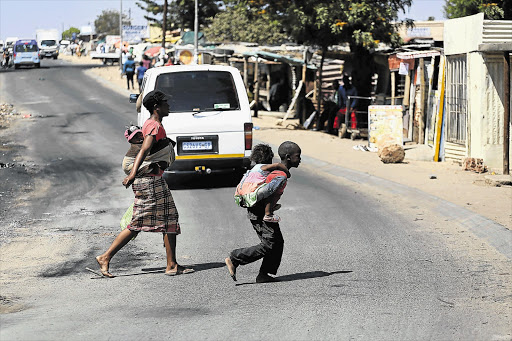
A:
199, 90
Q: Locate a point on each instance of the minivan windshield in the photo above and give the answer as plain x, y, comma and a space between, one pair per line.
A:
199, 91
48, 43
26, 48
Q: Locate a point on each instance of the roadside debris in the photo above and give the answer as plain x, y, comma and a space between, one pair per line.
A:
393, 153
7, 109
365, 148
475, 165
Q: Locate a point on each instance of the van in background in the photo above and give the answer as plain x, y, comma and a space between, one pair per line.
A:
9, 43
48, 42
26, 52
209, 117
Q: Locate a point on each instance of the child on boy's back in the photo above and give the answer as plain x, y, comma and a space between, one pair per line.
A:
272, 243
265, 182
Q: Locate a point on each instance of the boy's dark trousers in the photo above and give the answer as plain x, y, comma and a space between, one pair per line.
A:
270, 248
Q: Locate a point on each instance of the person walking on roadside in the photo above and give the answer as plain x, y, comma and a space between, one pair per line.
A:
154, 209
140, 74
271, 246
129, 71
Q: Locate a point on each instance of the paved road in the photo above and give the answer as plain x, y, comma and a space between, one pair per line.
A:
355, 267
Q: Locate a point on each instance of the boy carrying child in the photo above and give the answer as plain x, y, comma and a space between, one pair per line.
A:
260, 213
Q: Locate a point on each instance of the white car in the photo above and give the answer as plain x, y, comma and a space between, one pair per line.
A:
209, 116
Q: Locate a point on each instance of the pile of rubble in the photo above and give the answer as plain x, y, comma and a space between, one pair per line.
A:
7, 109
7, 114
475, 165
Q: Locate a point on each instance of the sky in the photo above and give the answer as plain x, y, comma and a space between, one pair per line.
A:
21, 18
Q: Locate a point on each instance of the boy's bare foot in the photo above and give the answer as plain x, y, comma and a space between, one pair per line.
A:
231, 268
104, 267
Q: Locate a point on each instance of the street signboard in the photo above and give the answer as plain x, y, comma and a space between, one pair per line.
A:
135, 33
385, 125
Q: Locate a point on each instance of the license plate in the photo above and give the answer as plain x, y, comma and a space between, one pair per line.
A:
197, 145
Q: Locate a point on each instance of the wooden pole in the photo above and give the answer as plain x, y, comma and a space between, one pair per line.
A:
256, 87
393, 92
407, 88
164, 24
506, 116
246, 81
421, 122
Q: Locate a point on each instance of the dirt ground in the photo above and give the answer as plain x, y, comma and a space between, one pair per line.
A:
445, 180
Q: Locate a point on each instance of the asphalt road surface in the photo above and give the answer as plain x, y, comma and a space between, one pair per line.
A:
355, 267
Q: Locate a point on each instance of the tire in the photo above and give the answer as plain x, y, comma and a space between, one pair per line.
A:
37, 65
16, 66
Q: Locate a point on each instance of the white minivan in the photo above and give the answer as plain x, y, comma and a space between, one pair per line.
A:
209, 116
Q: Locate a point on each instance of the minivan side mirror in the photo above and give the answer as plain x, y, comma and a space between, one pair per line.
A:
133, 98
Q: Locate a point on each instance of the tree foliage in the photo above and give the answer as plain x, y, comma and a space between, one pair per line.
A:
108, 23
180, 13
497, 9
68, 34
240, 23
362, 24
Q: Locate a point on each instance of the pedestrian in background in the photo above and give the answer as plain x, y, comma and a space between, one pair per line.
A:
271, 246
129, 71
141, 70
154, 209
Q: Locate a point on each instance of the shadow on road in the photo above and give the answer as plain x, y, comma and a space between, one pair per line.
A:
178, 182
196, 267
160, 270
303, 275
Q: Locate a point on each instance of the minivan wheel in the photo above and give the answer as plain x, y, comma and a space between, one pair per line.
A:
38, 65
16, 66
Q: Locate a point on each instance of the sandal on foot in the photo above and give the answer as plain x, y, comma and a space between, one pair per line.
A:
179, 271
231, 268
272, 218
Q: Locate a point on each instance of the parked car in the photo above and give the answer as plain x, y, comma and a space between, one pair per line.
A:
209, 119
26, 52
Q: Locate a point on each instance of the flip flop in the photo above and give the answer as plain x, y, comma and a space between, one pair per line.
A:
272, 218
179, 272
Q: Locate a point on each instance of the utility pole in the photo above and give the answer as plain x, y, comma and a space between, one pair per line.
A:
196, 28
164, 24
121, 35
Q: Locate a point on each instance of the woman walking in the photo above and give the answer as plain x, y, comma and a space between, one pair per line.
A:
154, 209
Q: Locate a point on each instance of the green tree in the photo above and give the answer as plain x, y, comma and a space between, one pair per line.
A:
240, 23
108, 22
180, 13
361, 24
68, 34
497, 9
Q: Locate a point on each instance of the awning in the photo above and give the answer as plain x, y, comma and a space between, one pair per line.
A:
277, 58
417, 54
